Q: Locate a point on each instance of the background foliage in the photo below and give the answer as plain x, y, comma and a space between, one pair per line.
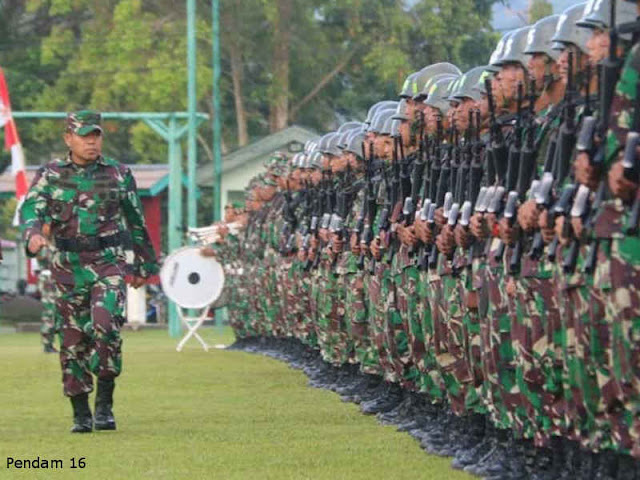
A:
313, 62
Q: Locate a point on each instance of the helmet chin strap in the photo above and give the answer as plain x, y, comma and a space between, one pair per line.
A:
581, 74
549, 77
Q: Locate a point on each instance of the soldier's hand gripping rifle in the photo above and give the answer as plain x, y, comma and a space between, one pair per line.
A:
309, 215
526, 172
513, 166
566, 142
359, 225
430, 191
444, 195
392, 198
476, 195
477, 167
631, 165
320, 218
498, 149
545, 196
609, 74
370, 206
498, 159
329, 207
410, 201
291, 222
344, 203
461, 194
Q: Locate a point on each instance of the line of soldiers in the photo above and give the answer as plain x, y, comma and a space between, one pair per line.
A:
474, 243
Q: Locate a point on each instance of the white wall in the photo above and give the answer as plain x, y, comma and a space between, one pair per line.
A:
9, 270
238, 179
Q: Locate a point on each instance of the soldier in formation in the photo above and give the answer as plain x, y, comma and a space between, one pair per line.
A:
465, 263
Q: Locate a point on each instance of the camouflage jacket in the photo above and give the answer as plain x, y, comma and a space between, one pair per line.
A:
80, 203
623, 106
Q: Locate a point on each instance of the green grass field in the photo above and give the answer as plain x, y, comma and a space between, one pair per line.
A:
198, 415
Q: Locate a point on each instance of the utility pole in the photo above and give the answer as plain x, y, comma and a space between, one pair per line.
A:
217, 155
192, 105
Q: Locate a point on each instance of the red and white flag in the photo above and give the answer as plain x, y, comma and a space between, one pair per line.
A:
12, 142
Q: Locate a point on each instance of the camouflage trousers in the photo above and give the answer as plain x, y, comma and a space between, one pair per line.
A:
452, 340
271, 295
619, 352
472, 343
240, 309
310, 305
499, 372
380, 303
356, 310
285, 290
332, 334
435, 328
90, 318
404, 326
538, 353
255, 275
297, 301
340, 340
582, 306
422, 339
48, 329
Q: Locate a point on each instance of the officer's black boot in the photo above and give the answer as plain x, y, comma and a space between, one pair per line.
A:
104, 403
82, 419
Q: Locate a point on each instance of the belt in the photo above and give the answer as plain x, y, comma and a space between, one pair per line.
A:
93, 243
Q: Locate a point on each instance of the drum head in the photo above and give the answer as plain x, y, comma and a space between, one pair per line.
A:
190, 279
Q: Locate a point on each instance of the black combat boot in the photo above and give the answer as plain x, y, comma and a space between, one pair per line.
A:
384, 403
626, 468
496, 461
82, 419
607, 466
104, 403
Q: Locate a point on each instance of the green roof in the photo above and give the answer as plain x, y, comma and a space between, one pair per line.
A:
258, 150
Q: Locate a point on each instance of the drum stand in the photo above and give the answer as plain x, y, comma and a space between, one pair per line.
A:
193, 324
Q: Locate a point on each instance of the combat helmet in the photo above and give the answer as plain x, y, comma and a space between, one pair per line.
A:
323, 143
498, 52
377, 107
465, 87
514, 48
354, 144
439, 94
540, 35
427, 74
349, 126
380, 118
597, 14
409, 87
566, 31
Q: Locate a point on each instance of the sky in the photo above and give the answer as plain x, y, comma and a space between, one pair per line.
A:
514, 14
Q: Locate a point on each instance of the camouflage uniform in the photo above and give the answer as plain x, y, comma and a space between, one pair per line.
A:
90, 210
381, 296
619, 338
46, 287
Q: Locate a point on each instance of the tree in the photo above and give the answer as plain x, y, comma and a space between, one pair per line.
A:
539, 9
314, 62
7, 212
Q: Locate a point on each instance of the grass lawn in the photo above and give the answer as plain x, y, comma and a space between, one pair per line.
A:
198, 415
